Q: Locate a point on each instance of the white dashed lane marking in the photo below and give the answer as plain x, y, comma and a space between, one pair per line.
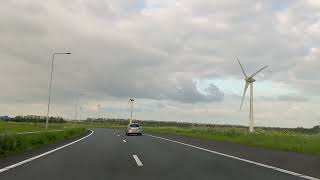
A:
139, 163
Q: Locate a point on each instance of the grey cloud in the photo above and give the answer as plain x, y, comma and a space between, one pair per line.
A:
153, 51
292, 97
187, 92
147, 45
182, 90
286, 98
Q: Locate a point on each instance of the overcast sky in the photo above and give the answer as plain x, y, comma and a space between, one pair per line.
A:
176, 58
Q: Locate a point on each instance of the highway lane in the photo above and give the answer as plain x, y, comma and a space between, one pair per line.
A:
109, 154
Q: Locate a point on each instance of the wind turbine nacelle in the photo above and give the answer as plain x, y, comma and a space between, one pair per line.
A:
250, 80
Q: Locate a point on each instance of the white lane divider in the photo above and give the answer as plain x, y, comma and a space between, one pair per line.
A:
139, 163
44, 154
124, 140
240, 159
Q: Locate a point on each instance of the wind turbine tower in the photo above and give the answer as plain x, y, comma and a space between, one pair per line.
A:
249, 82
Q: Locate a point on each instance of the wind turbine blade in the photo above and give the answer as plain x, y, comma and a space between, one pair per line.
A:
244, 93
258, 71
245, 75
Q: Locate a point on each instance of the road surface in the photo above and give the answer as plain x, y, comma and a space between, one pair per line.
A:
109, 154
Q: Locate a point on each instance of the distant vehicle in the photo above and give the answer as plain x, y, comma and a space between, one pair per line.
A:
134, 128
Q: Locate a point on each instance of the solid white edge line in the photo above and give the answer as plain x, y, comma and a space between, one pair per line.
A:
139, 163
240, 159
43, 154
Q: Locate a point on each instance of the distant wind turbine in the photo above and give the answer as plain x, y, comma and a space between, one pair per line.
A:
249, 82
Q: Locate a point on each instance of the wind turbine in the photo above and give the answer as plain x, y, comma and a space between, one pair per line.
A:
249, 82
131, 100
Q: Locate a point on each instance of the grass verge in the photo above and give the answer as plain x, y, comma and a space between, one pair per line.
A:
280, 140
13, 143
12, 127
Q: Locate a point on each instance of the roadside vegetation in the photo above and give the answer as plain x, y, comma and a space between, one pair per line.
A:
301, 140
13, 127
13, 143
287, 140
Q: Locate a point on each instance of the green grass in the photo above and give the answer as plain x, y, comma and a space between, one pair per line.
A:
11, 128
99, 125
12, 143
274, 139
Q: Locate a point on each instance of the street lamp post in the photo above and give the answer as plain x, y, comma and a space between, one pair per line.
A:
131, 103
76, 113
49, 98
98, 111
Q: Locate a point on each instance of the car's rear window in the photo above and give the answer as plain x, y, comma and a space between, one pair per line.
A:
134, 125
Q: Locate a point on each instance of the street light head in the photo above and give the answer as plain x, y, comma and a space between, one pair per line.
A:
62, 53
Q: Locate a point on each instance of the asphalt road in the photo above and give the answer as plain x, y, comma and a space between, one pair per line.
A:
109, 154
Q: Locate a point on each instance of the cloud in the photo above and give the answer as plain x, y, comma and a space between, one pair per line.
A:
153, 50
187, 92
292, 97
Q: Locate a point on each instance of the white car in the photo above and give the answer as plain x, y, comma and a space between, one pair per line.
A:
134, 128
